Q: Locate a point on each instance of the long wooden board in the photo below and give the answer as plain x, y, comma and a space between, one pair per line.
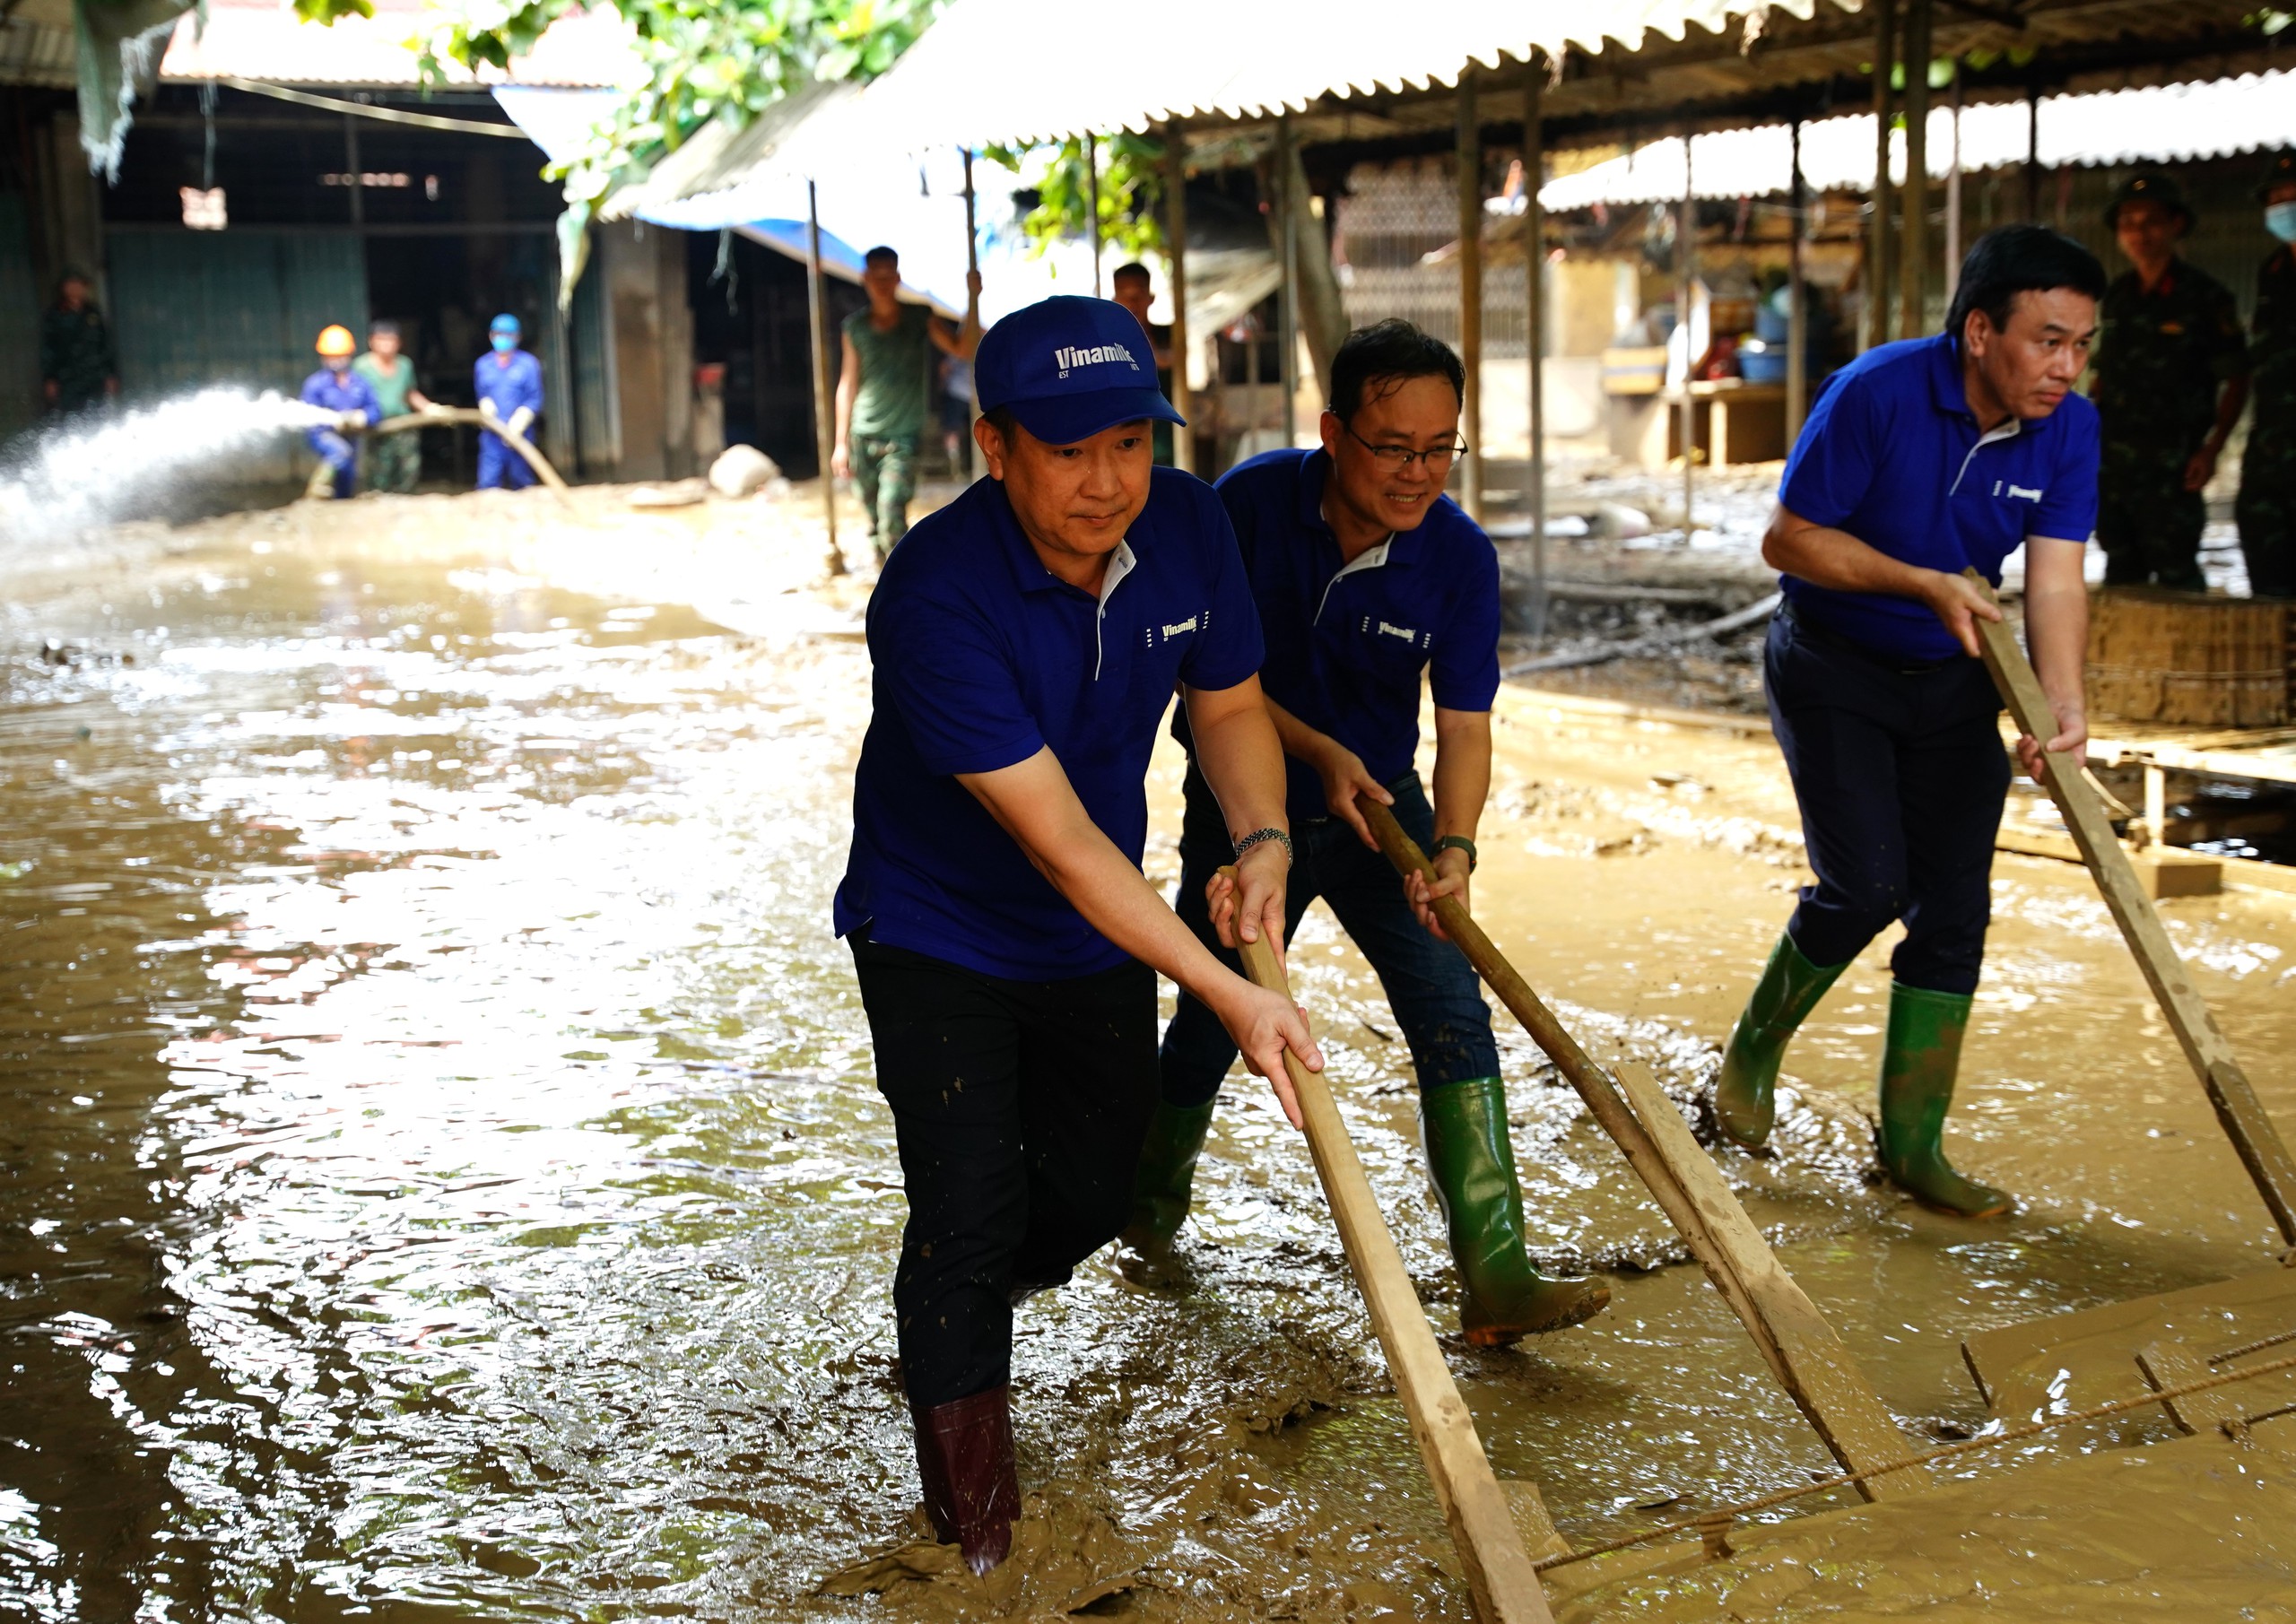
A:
2086, 1357
1498, 1572
2206, 1049
1794, 1339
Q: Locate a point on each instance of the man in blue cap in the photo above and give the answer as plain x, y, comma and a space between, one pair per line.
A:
1920, 460
509, 383
1366, 576
1026, 641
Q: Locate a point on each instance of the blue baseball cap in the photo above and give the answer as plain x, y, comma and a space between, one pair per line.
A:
1066, 367
504, 323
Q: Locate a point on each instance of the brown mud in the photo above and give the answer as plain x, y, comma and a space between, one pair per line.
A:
443, 1177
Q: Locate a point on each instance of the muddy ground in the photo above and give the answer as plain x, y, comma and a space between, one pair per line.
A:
443, 1178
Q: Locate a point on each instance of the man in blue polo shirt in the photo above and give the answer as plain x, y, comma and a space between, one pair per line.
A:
1921, 459
1366, 575
1026, 641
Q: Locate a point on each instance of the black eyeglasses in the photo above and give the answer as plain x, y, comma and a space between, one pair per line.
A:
1394, 459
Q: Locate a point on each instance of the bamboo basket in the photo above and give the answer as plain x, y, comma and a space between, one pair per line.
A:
2159, 655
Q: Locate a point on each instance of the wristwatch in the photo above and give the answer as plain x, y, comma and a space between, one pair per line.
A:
1261, 837
1457, 843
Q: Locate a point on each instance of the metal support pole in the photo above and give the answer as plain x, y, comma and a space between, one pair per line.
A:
1288, 299
824, 392
1954, 197
1093, 202
1470, 162
1797, 316
1175, 244
1913, 278
1685, 280
1877, 234
1535, 331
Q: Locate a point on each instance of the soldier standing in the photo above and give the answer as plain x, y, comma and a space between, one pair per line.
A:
2173, 375
77, 366
2267, 507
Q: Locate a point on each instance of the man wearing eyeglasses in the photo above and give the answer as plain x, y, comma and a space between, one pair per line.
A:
1365, 575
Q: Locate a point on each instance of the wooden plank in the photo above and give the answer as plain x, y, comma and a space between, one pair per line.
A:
2206, 1049
1479, 1513
2084, 1358
1817, 1370
1792, 1337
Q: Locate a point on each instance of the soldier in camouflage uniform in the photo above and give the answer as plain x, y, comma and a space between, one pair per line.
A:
77, 367
2267, 502
2172, 376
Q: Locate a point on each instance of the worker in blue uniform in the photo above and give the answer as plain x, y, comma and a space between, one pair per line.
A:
508, 383
335, 387
1922, 460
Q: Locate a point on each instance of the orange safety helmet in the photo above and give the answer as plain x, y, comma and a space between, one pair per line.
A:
336, 341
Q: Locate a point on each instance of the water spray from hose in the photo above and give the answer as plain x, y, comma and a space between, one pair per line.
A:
79, 475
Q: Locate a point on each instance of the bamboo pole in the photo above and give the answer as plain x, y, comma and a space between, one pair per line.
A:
1877, 235
1093, 202
1797, 314
1913, 277
824, 391
1953, 196
1534, 330
1686, 296
1176, 243
1498, 1572
1470, 178
972, 302
1288, 305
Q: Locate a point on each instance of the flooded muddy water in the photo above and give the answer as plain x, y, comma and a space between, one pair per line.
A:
443, 1177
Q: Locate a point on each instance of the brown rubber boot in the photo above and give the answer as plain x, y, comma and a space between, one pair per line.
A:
964, 1462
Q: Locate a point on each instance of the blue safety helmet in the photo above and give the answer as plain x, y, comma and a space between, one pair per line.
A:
504, 323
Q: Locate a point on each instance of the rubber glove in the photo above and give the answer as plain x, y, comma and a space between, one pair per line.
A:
520, 419
351, 422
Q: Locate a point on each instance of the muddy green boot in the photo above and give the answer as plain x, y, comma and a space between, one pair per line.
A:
1919, 1058
1745, 1095
1167, 1170
1502, 1298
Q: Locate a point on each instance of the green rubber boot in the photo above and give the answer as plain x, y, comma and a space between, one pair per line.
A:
1919, 1058
1745, 1094
1502, 1297
1167, 1172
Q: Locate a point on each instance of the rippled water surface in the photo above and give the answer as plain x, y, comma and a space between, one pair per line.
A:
443, 1176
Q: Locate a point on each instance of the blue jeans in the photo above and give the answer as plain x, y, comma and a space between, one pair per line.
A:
1430, 984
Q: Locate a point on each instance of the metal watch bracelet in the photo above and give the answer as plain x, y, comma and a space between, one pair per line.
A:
1261, 837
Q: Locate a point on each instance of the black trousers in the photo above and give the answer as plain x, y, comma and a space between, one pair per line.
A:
1900, 776
1020, 1107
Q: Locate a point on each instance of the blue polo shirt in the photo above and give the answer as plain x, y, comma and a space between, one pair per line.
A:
981, 658
1893, 455
1346, 645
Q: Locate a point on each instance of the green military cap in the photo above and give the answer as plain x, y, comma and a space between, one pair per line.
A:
2279, 170
2149, 188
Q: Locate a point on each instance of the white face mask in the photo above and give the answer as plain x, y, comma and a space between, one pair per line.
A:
2279, 220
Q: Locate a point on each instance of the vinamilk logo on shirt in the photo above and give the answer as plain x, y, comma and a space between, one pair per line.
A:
2016, 493
1152, 636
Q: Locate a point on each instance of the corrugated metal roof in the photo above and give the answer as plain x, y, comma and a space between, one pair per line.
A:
1015, 70
2163, 124
266, 40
